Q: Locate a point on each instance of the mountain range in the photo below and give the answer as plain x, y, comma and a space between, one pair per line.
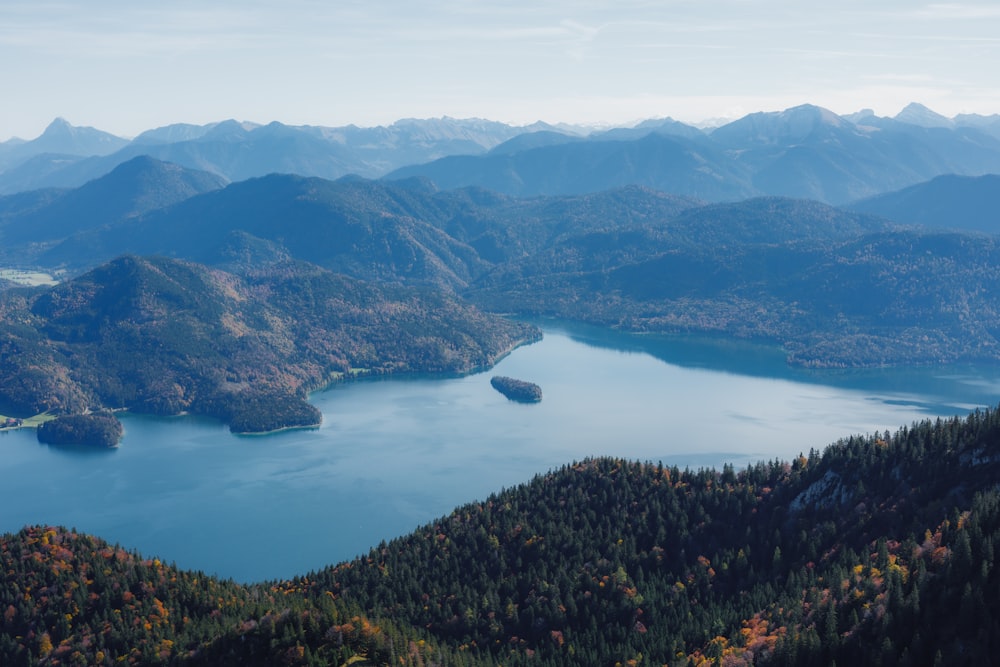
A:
65, 156
803, 152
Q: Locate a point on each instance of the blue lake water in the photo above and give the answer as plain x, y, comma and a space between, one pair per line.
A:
394, 454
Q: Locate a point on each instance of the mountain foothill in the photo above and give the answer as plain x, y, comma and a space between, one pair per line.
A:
227, 270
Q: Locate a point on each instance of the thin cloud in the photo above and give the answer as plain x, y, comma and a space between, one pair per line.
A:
956, 11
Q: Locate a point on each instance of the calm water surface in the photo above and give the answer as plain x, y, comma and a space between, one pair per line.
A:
395, 454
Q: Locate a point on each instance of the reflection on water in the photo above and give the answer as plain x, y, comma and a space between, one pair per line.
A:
936, 390
394, 454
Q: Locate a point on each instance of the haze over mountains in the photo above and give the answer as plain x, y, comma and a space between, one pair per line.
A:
66, 156
804, 151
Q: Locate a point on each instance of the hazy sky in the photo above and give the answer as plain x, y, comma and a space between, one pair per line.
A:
128, 65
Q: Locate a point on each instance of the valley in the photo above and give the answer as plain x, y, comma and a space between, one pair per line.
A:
769, 362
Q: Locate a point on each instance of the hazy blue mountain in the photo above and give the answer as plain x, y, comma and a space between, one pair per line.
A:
239, 150
25, 165
231, 150
859, 117
915, 113
805, 152
529, 140
45, 170
667, 126
24, 203
62, 138
780, 128
955, 202
989, 124
801, 152
133, 188
809, 152
669, 163
170, 134
934, 151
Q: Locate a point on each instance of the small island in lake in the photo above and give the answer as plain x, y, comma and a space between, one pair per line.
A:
517, 390
101, 429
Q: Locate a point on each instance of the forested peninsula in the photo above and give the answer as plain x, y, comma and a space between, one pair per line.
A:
878, 550
165, 336
100, 429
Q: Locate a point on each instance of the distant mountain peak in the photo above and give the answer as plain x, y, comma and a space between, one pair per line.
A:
860, 116
230, 130
813, 113
159, 170
58, 124
777, 127
64, 138
915, 113
175, 133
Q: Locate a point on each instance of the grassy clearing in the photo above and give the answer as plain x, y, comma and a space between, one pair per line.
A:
32, 422
29, 278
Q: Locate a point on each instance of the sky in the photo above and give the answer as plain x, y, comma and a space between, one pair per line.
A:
125, 66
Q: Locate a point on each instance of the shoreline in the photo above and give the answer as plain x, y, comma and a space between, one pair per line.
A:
362, 374
337, 377
278, 430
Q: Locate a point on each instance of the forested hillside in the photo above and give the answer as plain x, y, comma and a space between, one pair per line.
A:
882, 298
947, 202
832, 287
878, 550
73, 599
162, 336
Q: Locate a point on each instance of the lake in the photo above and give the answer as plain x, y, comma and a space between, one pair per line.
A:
393, 454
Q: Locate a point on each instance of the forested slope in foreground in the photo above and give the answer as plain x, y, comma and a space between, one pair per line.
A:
880, 550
